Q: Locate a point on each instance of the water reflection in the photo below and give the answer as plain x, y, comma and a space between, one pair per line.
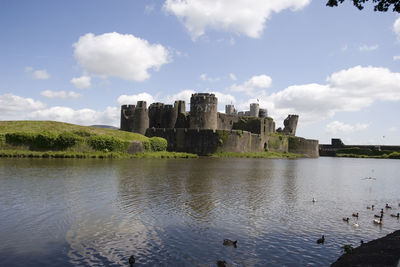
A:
177, 212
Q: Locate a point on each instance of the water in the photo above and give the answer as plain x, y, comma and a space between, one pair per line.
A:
177, 212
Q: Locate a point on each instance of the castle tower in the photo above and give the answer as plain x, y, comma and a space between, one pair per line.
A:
203, 111
169, 117
230, 109
140, 118
181, 115
290, 124
263, 113
155, 115
127, 112
254, 109
180, 106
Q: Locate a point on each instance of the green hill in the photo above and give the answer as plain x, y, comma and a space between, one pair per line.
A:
64, 140
36, 127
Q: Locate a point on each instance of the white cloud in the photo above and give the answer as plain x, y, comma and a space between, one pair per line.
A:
232, 76
132, 99
254, 86
182, 95
224, 99
149, 8
394, 129
119, 55
81, 82
110, 116
204, 77
395, 58
347, 90
246, 17
37, 74
59, 94
337, 127
14, 107
365, 48
396, 27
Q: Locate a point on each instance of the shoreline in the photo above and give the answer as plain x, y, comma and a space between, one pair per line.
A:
384, 251
159, 154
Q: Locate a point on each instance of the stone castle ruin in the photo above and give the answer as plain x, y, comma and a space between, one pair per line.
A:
204, 130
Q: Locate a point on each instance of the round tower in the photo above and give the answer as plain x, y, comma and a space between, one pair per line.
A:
127, 112
254, 109
180, 106
203, 111
169, 117
140, 118
263, 113
230, 109
155, 115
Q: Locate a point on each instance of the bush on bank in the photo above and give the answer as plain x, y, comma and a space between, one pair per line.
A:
106, 143
155, 144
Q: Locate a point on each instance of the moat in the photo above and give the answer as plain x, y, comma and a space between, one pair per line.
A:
177, 212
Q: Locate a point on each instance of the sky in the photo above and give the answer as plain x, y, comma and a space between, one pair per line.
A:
79, 61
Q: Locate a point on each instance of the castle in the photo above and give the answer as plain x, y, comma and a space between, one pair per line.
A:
203, 130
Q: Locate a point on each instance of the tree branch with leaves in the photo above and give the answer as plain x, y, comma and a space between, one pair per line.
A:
380, 5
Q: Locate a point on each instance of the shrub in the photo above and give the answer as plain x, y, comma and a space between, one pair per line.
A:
19, 138
106, 143
2, 139
158, 144
82, 133
66, 140
155, 144
394, 155
146, 145
44, 140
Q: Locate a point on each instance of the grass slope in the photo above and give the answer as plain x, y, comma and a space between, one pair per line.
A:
60, 127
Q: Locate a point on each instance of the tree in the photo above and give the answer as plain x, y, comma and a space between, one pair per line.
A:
381, 5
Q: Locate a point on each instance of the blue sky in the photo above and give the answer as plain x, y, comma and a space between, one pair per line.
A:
78, 61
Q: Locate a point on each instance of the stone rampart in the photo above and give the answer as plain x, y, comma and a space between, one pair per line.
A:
307, 147
204, 142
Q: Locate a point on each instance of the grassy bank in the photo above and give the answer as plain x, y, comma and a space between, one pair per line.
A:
50, 139
267, 154
392, 155
36, 127
93, 155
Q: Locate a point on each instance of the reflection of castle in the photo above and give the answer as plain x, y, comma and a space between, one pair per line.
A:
203, 130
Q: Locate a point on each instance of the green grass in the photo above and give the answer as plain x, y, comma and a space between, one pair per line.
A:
163, 154
393, 155
60, 127
97, 155
267, 154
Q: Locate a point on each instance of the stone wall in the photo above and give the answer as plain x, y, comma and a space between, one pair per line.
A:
204, 142
226, 121
336, 144
307, 147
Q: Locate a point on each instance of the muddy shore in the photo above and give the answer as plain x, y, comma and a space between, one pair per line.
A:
383, 251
